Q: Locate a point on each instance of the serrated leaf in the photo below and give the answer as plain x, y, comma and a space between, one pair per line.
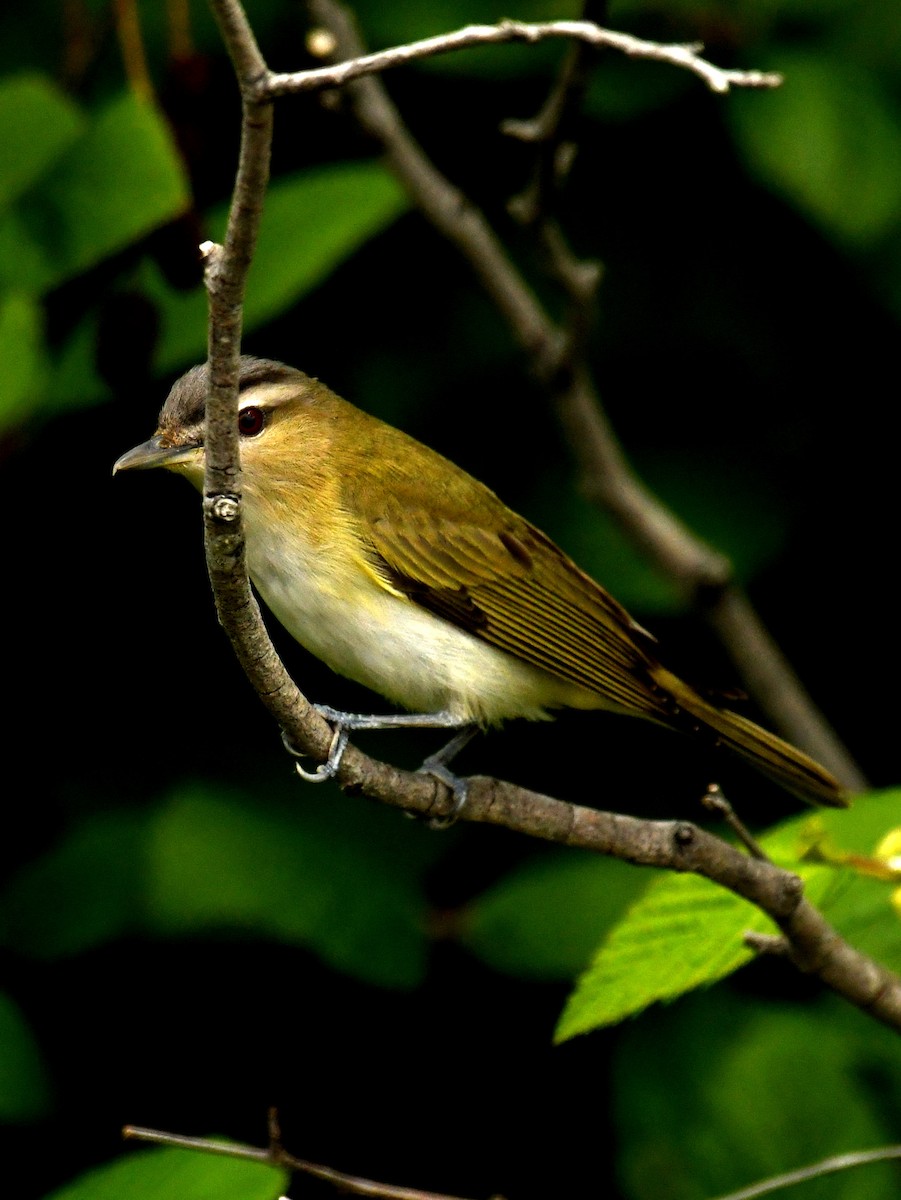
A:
189, 1175
311, 223
217, 864
24, 1090
830, 141
544, 920
21, 344
686, 932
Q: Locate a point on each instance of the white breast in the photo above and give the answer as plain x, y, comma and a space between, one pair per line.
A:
364, 631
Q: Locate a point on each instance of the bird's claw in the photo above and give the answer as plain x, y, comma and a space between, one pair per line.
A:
459, 787
328, 769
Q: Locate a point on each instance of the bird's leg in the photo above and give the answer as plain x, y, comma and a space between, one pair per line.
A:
435, 720
343, 722
436, 764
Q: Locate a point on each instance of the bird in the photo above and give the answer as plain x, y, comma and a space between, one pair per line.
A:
401, 571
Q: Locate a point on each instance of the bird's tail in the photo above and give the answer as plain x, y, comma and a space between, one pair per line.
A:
773, 757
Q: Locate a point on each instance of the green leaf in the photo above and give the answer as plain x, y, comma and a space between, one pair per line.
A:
716, 1094
341, 881
26, 263
311, 223
685, 931
303, 877
544, 920
189, 1175
21, 352
858, 905
24, 1089
118, 182
39, 123
829, 140
82, 893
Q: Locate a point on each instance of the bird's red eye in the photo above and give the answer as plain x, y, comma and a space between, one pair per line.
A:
251, 421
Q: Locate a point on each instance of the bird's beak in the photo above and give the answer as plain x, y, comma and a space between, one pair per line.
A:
154, 454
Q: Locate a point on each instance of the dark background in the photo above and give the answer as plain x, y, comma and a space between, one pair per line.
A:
746, 353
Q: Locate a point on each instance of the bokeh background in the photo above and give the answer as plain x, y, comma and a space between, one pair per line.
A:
187, 935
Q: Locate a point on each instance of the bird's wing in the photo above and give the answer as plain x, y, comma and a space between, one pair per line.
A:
507, 583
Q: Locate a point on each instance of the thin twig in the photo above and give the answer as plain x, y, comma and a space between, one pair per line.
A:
687, 56
277, 1156
715, 801
550, 130
828, 1166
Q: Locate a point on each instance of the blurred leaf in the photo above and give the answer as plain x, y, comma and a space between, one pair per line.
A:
165, 1174
26, 264
685, 931
862, 912
82, 893
544, 920
859, 828
859, 906
311, 223
120, 180
21, 352
201, 862
39, 122
218, 864
830, 141
764, 1102
24, 1090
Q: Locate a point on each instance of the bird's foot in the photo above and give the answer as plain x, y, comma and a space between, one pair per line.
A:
328, 769
436, 765
458, 786
342, 723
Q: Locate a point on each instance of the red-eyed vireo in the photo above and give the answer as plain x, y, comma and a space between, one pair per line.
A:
401, 571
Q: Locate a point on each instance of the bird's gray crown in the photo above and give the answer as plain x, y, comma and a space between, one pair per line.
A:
186, 402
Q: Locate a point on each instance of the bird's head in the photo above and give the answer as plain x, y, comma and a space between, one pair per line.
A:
279, 410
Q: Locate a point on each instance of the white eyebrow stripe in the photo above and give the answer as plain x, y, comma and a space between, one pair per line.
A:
266, 395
